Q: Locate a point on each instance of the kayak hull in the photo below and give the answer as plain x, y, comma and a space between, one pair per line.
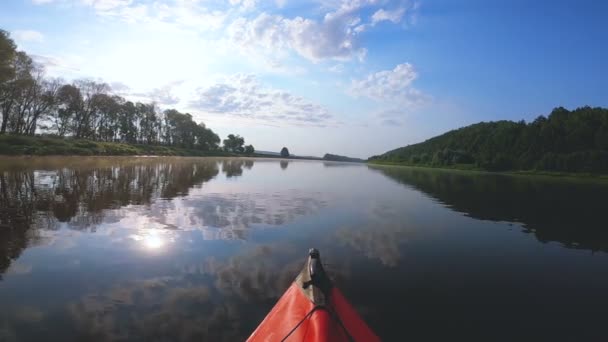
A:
300, 316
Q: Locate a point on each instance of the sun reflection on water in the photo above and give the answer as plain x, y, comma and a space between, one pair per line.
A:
152, 240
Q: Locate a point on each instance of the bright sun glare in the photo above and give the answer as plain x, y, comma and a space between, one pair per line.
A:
153, 241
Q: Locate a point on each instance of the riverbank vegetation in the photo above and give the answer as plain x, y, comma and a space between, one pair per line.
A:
48, 145
87, 117
565, 141
339, 158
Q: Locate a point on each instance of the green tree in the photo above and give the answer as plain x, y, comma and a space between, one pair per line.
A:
206, 139
93, 93
15, 90
284, 152
249, 149
68, 102
105, 120
128, 122
42, 103
8, 49
234, 143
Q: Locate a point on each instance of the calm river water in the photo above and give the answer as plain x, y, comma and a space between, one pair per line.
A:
187, 249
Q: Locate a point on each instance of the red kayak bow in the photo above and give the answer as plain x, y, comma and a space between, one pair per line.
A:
314, 310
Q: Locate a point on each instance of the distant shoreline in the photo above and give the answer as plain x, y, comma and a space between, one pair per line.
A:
21, 145
472, 169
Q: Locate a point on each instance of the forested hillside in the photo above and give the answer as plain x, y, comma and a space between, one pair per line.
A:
565, 141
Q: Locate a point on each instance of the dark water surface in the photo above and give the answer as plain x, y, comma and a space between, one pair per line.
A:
185, 249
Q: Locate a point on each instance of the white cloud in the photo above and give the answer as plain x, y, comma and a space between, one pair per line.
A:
393, 90
168, 14
337, 68
46, 61
336, 36
163, 95
119, 88
59, 65
392, 116
394, 16
242, 96
105, 5
389, 85
246, 5
28, 36
41, 2
188, 14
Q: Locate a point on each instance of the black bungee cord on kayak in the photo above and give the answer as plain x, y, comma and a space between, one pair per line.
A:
320, 280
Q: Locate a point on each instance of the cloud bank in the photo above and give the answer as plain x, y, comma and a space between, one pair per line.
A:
278, 37
393, 90
242, 96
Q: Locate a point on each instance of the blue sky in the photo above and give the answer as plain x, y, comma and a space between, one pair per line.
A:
353, 77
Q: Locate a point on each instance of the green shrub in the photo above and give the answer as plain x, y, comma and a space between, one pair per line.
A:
85, 144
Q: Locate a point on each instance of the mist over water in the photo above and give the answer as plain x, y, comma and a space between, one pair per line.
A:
155, 249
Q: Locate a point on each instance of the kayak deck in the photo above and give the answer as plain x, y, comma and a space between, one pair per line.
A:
312, 309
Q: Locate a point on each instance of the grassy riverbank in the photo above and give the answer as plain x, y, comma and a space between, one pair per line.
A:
473, 168
465, 167
45, 146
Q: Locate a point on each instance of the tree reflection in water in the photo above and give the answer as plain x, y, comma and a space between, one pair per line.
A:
141, 268
183, 307
567, 211
32, 199
47, 196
